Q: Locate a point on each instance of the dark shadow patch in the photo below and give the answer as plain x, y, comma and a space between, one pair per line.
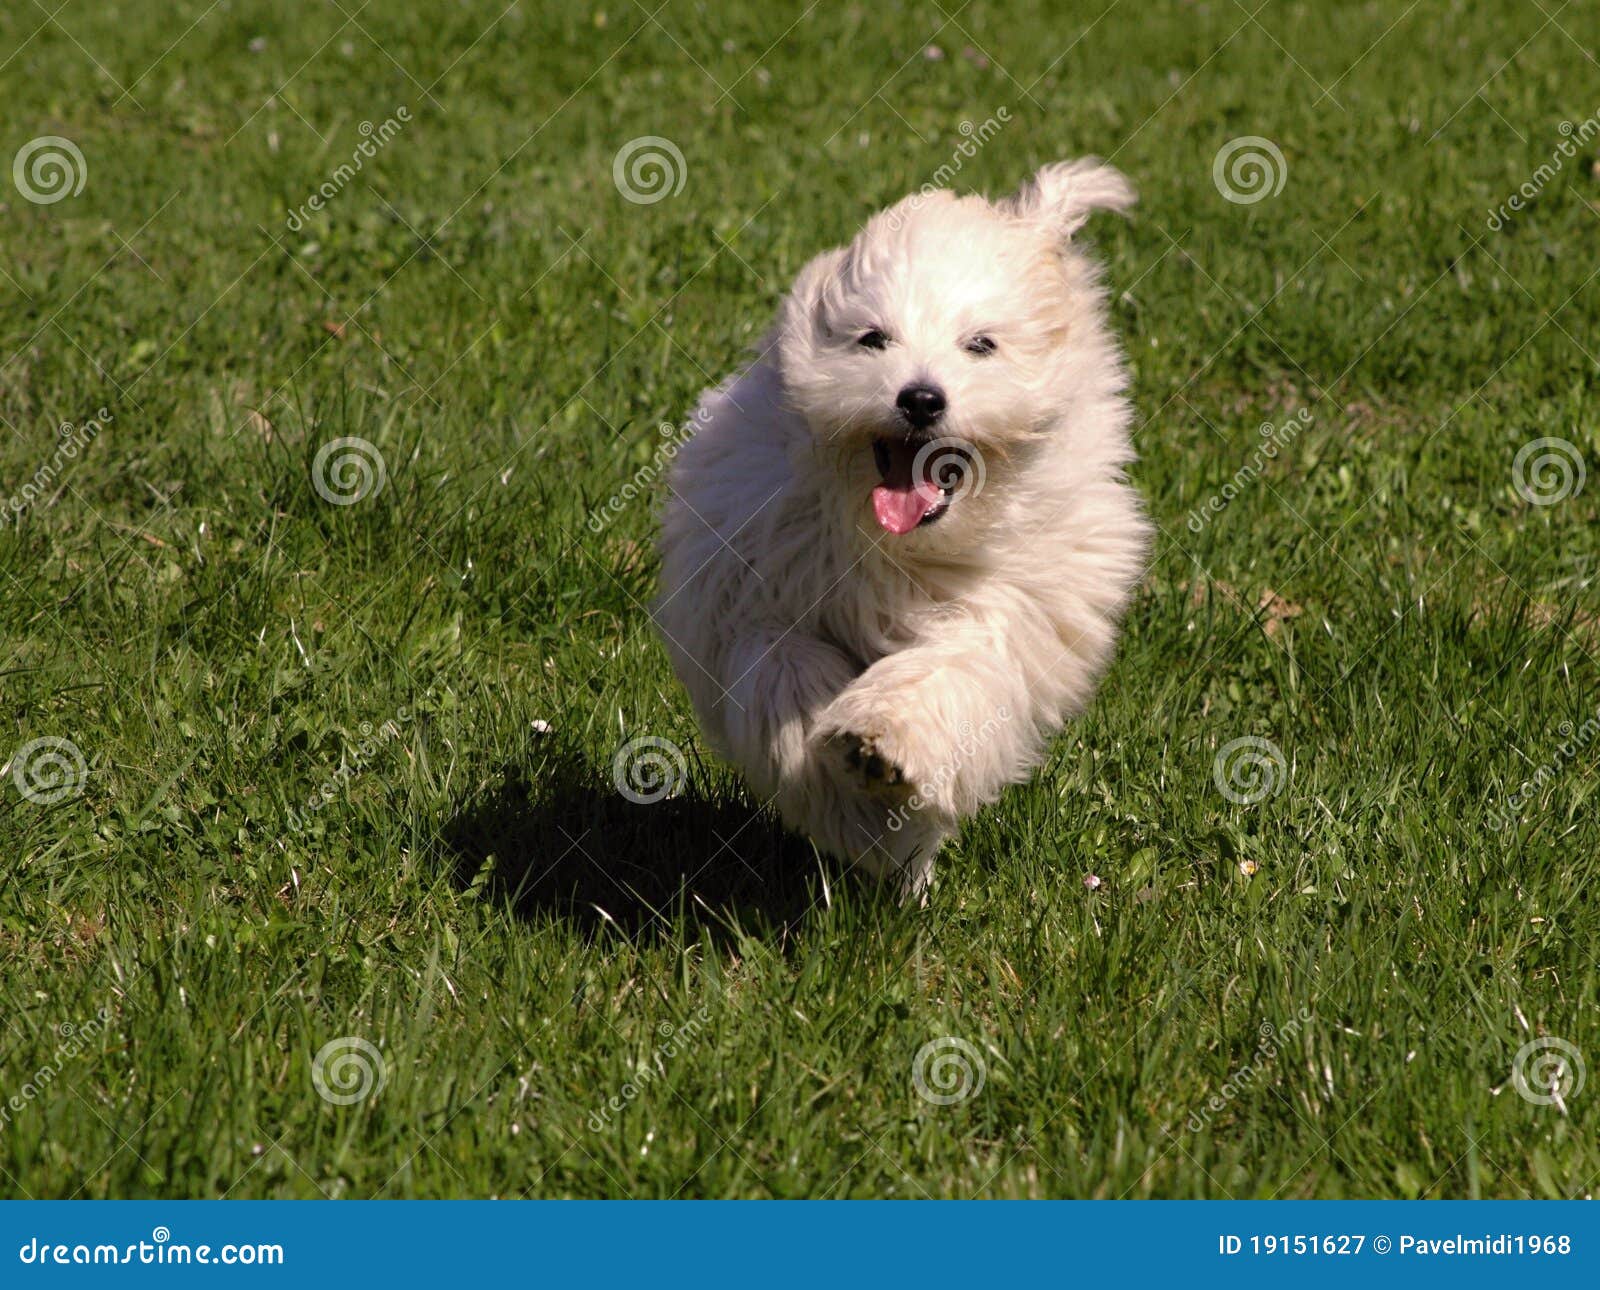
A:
559, 841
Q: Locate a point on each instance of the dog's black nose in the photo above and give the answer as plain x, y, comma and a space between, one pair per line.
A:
921, 405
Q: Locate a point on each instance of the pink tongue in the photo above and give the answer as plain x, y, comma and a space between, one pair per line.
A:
901, 502
901, 509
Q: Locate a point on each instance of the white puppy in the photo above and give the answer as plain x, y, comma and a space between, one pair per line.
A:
897, 547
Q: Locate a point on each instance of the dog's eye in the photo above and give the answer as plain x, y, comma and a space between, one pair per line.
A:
873, 339
980, 346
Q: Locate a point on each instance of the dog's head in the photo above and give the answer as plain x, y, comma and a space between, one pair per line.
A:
929, 353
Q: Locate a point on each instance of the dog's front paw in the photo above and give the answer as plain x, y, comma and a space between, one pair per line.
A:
868, 749
874, 744
869, 760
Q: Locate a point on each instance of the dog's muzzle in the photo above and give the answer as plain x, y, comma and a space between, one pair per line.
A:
920, 474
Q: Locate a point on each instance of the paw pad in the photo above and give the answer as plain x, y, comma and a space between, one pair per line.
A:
861, 754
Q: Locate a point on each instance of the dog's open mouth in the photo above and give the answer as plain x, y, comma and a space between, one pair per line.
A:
920, 477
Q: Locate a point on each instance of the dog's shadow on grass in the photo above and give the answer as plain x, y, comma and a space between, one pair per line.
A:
560, 842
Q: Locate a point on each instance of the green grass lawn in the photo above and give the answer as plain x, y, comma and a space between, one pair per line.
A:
1317, 983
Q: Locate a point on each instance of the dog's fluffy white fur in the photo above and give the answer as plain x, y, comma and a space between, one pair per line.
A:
875, 676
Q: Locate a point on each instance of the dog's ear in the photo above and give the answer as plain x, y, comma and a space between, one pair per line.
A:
1065, 193
805, 307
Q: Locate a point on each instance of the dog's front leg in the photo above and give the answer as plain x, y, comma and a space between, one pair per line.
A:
781, 684
954, 722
